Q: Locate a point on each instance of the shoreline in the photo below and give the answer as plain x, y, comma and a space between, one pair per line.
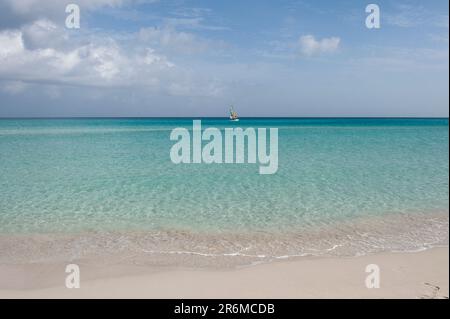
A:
403, 275
167, 249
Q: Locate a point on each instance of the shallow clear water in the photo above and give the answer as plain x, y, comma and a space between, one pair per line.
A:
73, 176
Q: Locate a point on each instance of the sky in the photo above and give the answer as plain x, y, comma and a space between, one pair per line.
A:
193, 58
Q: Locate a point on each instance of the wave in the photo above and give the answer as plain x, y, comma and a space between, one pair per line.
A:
368, 235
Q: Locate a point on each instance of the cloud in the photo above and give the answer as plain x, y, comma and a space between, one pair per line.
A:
43, 53
11, 43
94, 63
38, 53
174, 41
409, 16
309, 46
43, 34
15, 14
195, 23
193, 18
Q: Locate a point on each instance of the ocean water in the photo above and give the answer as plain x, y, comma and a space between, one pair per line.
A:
80, 188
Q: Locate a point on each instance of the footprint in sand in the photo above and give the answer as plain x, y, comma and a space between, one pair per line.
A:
434, 294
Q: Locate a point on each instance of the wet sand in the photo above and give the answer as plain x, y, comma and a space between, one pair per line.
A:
402, 275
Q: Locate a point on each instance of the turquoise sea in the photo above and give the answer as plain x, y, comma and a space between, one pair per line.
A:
77, 188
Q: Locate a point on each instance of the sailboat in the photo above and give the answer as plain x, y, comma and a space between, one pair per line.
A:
233, 115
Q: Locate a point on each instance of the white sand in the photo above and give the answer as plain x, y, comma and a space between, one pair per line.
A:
403, 275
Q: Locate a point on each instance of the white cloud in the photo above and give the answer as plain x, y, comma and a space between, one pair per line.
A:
24, 7
10, 43
87, 64
27, 56
43, 33
408, 16
193, 23
172, 40
36, 49
309, 46
16, 13
151, 58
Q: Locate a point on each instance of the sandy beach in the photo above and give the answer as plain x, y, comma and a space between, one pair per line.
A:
402, 275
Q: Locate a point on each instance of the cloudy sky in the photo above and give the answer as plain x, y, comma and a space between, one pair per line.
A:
196, 57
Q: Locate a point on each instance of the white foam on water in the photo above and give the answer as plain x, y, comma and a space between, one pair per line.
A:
393, 233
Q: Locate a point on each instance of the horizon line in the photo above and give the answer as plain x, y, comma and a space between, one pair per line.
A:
217, 117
